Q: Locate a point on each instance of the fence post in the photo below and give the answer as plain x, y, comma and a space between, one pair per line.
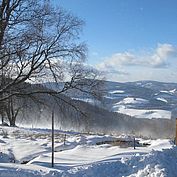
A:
134, 142
53, 138
176, 133
64, 140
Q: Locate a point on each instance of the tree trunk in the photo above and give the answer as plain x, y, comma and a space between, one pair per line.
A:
2, 118
10, 113
12, 123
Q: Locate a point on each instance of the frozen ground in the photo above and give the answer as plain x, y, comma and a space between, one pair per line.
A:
83, 155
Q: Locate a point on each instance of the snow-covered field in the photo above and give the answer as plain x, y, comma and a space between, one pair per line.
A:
143, 113
131, 100
128, 106
83, 155
117, 91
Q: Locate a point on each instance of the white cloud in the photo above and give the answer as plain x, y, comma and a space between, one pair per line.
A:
158, 58
117, 60
144, 65
162, 54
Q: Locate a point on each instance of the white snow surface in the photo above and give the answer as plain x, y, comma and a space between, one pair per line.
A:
132, 100
168, 91
80, 156
142, 113
128, 106
162, 99
117, 91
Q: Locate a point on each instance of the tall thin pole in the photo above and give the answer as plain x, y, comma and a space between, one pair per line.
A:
176, 133
134, 142
53, 138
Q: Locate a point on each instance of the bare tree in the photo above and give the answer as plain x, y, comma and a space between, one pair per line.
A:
12, 111
41, 43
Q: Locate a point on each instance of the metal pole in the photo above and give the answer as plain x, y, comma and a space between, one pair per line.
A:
53, 138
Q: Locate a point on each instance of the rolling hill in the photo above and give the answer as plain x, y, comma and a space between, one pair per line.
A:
141, 99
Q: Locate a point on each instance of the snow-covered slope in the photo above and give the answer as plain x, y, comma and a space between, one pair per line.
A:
83, 155
131, 100
142, 99
143, 113
130, 106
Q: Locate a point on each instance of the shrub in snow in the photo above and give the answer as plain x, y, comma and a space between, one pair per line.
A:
4, 134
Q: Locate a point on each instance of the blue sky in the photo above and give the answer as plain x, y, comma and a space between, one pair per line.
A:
129, 40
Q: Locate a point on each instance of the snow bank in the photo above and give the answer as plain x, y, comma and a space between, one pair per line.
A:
17, 170
82, 157
155, 164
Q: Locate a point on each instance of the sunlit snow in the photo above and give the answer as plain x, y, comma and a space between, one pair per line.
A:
83, 155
